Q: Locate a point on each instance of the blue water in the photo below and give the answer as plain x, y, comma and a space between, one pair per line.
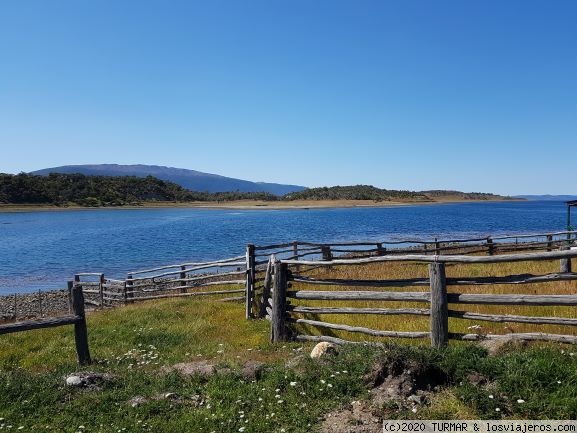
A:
42, 250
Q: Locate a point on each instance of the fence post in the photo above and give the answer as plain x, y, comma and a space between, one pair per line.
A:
70, 284
296, 254
128, 289
490, 246
250, 275
182, 277
266, 287
380, 250
278, 326
549, 242
439, 305
80, 331
101, 290
326, 252
437, 247
565, 263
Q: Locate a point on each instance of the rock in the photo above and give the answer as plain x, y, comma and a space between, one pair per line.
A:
74, 381
252, 370
88, 379
494, 346
476, 378
137, 401
414, 398
201, 368
322, 349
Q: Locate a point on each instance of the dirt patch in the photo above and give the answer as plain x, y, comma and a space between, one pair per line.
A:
250, 370
357, 417
393, 384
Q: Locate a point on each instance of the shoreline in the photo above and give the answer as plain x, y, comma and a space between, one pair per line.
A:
249, 205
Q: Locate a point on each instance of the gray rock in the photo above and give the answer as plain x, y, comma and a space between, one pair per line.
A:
252, 370
201, 368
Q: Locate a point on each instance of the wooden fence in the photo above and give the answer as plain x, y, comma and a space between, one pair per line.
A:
257, 257
284, 316
77, 318
180, 280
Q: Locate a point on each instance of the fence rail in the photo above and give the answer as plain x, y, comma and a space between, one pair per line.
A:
179, 280
284, 316
310, 254
77, 318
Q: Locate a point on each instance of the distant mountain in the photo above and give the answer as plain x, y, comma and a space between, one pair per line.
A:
548, 197
190, 179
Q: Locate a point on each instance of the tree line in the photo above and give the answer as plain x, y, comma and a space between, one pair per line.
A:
95, 191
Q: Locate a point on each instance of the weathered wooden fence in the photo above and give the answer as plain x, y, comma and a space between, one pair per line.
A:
188, 279
258, 256
77, 318
285, 317
179, 280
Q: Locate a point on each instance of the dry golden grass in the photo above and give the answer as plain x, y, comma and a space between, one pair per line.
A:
409, 270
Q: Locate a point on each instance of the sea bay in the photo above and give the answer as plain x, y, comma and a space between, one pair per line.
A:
41, 250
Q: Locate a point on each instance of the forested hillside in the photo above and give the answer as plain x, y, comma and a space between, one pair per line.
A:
93, 191
357, 192
78, 189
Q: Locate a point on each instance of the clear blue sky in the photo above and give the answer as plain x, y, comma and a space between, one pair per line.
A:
410, 94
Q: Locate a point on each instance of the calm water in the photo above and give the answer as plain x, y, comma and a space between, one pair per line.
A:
42, 250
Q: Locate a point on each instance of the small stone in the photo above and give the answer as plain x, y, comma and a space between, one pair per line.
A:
322, 349
137, 401
252, 369
74, 381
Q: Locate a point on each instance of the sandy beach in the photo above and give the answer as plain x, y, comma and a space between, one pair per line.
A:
251, 204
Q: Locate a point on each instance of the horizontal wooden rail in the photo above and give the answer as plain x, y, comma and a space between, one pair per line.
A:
187, 270
541, 300
325, 338
272, 247
209, 276
351, 310
509, 318
529, 336
362, 330
512, 279
193, 264
180, 295
48, 322
359, 296
362, 283
442, 259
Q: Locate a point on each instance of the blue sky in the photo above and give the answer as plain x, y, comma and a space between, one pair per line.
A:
468, 95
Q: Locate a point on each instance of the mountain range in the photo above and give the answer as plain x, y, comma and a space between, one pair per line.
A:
189, 179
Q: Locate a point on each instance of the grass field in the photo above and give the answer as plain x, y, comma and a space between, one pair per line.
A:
134, 343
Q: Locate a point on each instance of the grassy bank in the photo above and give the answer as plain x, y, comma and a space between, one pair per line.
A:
133, 344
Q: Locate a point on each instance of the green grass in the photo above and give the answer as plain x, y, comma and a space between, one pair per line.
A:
133, 344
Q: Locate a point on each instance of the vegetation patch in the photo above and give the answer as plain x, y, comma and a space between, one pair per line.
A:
139, 381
